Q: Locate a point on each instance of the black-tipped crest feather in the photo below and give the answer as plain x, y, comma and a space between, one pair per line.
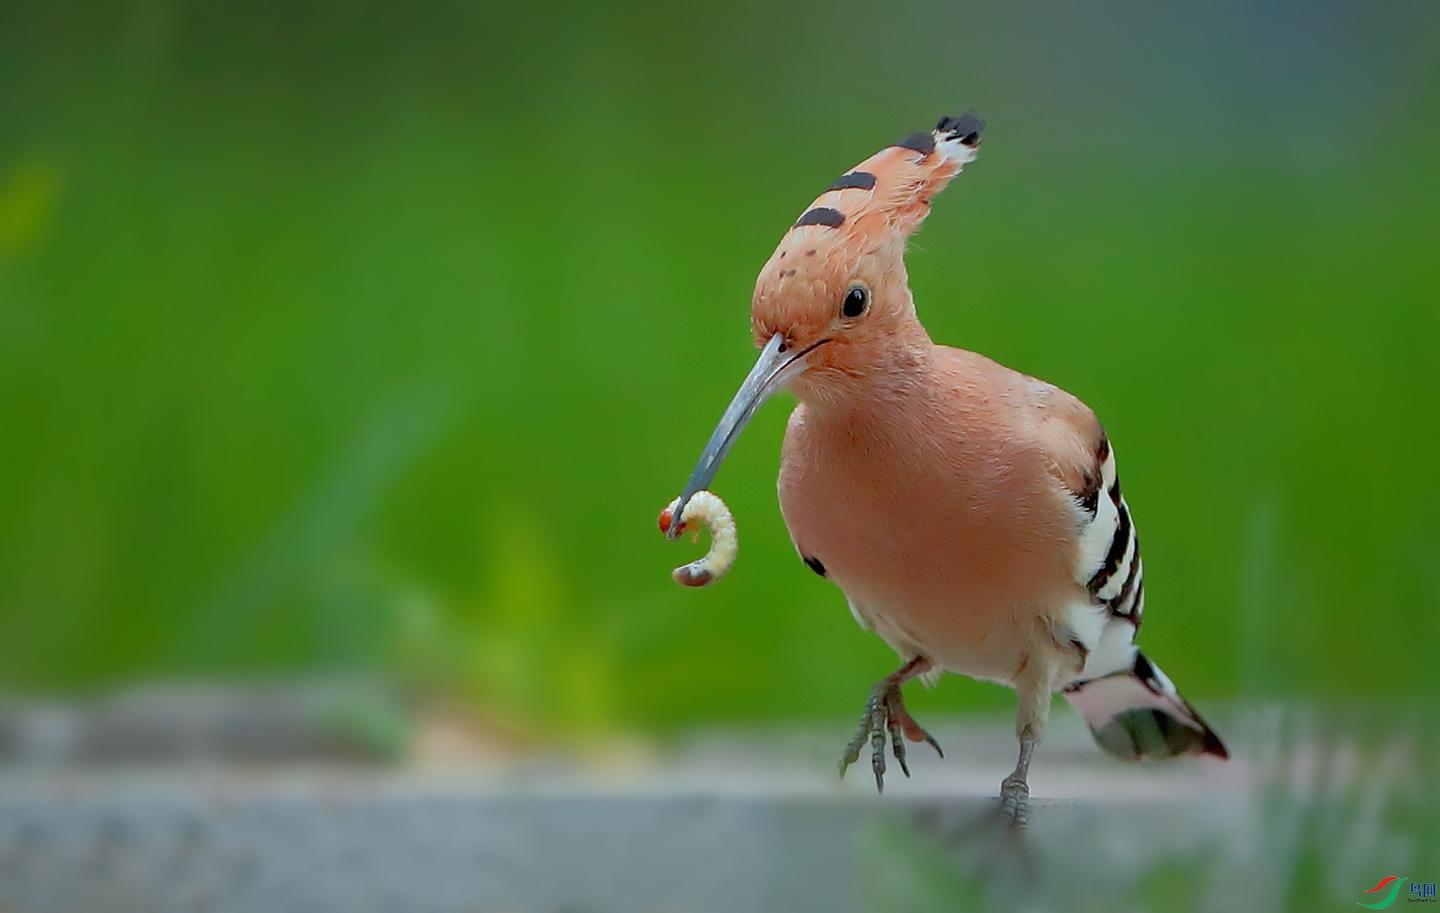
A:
966, 128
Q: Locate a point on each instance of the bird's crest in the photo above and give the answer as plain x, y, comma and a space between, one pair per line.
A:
891, 191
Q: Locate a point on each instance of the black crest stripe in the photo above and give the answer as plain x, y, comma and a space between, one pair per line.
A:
855, 180
822, 215
923, 143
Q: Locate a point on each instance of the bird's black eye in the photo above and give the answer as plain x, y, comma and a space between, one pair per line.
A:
856, 301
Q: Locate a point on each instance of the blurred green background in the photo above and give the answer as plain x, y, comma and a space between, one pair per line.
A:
343, 337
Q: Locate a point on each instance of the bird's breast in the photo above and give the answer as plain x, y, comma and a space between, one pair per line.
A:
949, 540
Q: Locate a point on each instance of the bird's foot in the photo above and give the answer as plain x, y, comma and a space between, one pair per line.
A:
885, 712
1015, 800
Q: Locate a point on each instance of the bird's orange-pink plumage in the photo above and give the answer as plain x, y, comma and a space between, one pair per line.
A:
940, 513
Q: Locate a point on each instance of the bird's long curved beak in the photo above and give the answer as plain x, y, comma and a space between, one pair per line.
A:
775, 366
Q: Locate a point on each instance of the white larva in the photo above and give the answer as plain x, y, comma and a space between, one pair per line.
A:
705, 507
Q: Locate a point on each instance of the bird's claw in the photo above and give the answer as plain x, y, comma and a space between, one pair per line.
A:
1015, 800
885, 712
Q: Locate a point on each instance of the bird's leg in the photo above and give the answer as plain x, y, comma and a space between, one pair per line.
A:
1014, 789
1034, 684
885, 712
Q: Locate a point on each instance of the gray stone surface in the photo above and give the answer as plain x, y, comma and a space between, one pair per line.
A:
715, 826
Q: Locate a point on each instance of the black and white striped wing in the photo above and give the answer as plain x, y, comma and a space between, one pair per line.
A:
1133, 708
1109, 567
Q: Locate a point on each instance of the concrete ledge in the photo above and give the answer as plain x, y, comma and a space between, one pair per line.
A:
715, 826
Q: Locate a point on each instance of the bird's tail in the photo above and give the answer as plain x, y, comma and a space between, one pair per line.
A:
1135, 713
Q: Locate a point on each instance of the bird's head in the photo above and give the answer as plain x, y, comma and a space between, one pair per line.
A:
835, 292
832, 304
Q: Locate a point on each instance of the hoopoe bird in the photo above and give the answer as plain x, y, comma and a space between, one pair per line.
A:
971, 514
